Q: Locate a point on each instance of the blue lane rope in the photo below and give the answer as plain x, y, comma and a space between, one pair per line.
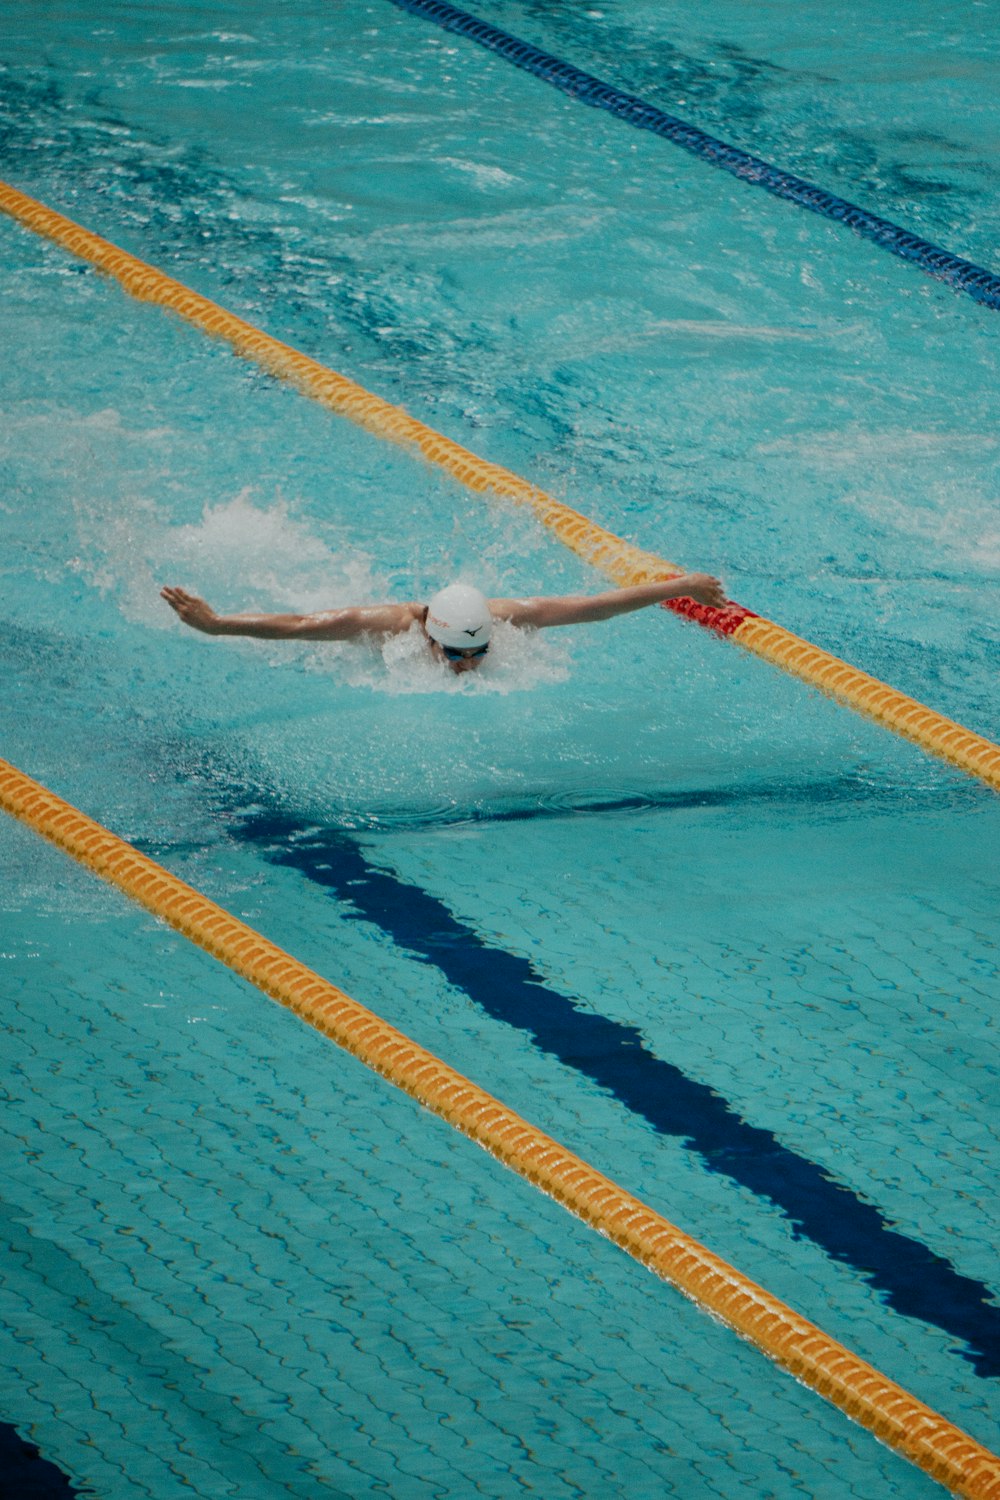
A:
963, 275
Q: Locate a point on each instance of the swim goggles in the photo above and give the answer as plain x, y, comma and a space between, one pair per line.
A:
459, 653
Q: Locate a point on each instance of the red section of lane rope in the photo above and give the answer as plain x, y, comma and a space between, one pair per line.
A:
723, 621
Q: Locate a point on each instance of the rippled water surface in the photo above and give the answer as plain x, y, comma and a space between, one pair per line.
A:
728, 941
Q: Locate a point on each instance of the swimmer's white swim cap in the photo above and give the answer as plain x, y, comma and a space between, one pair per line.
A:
459, 617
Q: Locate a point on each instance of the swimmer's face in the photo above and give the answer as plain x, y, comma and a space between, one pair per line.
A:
460, 661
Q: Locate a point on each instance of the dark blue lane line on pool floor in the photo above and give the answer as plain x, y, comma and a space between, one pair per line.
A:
914, 1280
25, 1474
963, 275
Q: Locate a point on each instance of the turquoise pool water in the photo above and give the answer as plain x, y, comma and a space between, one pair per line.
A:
731, 943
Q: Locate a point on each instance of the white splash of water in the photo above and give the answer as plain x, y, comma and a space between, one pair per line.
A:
517, 661
241, 556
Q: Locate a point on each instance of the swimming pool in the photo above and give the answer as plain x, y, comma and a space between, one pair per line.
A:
731, 943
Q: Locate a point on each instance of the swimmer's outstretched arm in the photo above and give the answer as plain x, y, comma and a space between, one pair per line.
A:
330, 625
581, 609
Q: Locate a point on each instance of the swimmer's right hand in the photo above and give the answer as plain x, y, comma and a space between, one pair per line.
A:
192, 610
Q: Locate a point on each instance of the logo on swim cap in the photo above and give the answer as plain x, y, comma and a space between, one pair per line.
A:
459, 617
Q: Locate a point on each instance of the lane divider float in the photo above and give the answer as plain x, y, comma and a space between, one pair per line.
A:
895, 1416
963, 275
618, 559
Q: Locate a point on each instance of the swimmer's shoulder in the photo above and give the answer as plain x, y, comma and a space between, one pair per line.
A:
389, 619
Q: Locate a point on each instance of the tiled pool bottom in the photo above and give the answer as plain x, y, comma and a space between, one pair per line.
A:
241, 1265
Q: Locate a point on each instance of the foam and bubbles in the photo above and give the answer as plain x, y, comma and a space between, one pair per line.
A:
517, 660
240, 555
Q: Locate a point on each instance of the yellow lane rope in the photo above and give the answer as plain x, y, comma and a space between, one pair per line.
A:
896, 1417
618, 559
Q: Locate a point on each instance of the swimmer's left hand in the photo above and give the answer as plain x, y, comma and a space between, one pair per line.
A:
703, 589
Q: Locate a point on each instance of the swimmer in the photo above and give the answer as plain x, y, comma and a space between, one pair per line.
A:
456, 624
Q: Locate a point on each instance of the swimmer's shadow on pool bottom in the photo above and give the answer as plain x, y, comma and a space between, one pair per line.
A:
913, 1280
